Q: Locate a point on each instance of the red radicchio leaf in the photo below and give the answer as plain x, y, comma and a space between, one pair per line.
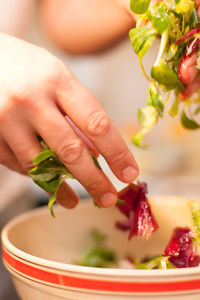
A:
144, 223
187, 70
190, 34
182, 251
124, 225
130, 259
136, 208
192, 46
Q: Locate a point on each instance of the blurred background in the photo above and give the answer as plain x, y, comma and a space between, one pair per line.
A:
171, 163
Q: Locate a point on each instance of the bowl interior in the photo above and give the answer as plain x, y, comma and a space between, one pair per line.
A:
64, 237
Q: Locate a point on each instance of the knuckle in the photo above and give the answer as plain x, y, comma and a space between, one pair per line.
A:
22, 155
119, 157
26, 165
95, 187
26, 100
98, 124
25, 162
71, 153
19, 100
65, 83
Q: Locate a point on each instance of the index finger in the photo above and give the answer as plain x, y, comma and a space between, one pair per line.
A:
85, 111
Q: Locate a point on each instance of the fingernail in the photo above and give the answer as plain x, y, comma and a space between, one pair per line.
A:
108, 200
129, 174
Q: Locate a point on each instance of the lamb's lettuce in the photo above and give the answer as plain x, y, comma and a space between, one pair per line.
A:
50, 173
97, 254
159, 16
188, 123
165, 75
160, 262
142, 39
139, 6
173, 112
185, 8
195, 206
171, 22
155, 100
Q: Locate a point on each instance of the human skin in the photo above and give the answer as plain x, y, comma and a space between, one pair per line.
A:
85, 26
37, 91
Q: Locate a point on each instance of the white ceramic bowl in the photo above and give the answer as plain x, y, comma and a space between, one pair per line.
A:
38, 251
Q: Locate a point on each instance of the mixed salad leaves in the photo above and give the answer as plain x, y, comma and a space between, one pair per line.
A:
135, 206
50, 173
97, 255
182, 251
176, 70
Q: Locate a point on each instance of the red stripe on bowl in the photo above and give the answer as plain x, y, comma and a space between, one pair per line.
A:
99, 285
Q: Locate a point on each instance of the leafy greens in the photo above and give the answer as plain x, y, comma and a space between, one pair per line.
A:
180, 252
176, 25
50, 173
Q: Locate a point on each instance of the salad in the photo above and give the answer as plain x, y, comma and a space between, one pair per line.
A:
175, 72
174, 80
180, 252
50, 173
174, 77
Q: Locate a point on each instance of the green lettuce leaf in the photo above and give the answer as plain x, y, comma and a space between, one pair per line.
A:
198, 60
147, 116
49, 186
142, 39
159, 15
171, 54
46, 153
185, 7
195, 18
50, 173
139, 6
52, 200
174, 108
196, 221
166, 76
97, 255
188, 123
138, 137
160, 262
155, 100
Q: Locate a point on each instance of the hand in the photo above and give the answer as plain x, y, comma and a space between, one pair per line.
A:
37, 91
125, 3
85, 27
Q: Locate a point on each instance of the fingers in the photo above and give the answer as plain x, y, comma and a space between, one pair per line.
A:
23, 142
89, 116
66, 196
8, 159
83, 137
26, 146
74, 154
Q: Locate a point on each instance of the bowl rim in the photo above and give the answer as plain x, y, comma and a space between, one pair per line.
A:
91, 271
